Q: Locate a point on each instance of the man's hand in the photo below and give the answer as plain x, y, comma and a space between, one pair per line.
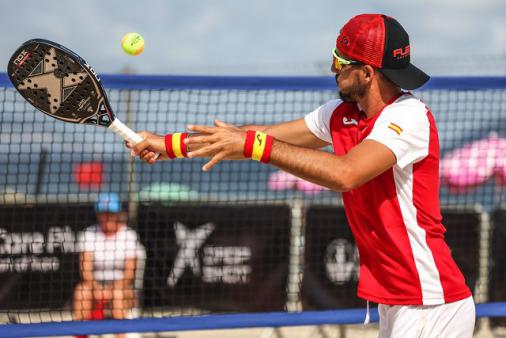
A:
148, 148
222, 142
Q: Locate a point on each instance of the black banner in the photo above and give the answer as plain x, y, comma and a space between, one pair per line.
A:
216, 257
463, 238
38, 254
331, 263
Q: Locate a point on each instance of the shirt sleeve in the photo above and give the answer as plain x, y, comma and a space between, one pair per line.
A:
404, 129
86, 241
318, 121
132, 243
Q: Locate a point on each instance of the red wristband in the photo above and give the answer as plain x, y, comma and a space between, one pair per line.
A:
248, 144
266, 155
168, 146
182, 144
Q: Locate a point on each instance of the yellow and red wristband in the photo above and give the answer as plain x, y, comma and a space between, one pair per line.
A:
175, 146
258, 146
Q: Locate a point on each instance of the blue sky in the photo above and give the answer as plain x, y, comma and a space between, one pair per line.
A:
248, 37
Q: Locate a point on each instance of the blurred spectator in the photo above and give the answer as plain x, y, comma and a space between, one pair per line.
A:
109, 253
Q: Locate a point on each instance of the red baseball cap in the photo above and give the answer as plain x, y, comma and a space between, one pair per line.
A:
380, 41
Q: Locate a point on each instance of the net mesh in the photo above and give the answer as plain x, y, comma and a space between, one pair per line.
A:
241, 238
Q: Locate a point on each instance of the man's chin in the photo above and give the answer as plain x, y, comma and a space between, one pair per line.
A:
346, 97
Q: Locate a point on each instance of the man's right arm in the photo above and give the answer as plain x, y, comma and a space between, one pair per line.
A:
294, 132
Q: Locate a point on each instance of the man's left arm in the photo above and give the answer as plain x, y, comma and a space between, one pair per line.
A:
339, 173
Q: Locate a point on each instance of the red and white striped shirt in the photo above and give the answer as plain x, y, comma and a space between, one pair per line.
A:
395, 217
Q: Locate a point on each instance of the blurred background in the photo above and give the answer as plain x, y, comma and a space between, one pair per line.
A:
262, 37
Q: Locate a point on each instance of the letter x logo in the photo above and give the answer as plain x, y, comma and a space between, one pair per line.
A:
189, 242
42, 77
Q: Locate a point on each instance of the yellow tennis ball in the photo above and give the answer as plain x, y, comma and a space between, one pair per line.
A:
132, 43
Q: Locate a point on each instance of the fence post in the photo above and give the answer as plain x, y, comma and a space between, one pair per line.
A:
482, 286
132, 184
297, 243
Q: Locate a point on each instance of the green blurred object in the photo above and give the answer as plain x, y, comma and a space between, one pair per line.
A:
166, 193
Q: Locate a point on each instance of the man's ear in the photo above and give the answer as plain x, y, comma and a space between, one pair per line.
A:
369, 72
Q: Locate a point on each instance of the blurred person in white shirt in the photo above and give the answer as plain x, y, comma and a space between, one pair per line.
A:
108, 258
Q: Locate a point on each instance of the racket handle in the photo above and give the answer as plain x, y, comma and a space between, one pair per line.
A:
125, 133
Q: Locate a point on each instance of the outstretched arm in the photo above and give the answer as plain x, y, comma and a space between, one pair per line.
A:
340, 173
294, 132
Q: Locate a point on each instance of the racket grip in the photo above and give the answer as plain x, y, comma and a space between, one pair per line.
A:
125, 133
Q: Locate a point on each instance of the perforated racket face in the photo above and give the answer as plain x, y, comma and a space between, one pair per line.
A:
59, 83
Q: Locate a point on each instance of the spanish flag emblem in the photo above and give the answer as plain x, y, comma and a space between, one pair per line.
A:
395, 128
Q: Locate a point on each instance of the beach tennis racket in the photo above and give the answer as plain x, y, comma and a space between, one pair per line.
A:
59, 83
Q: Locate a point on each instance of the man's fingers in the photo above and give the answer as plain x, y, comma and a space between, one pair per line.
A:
139, 147
200, 139
144, 134
220, 123
205, 151
154, 157
144, 155
148, 156
202, 129
214, 160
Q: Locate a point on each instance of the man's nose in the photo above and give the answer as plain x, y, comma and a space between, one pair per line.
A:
333, 68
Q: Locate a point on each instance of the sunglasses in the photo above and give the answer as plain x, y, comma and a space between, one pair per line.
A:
339, 61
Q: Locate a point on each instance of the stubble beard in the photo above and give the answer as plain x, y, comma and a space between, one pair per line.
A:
352, 94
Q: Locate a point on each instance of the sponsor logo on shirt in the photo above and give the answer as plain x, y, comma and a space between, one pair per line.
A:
347, 121
395, 128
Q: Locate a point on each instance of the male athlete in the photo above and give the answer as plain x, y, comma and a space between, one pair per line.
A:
385, 163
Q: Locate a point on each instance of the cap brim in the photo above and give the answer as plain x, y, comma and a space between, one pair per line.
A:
409, 78
109, 211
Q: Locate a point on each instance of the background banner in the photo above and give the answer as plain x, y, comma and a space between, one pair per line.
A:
216, 257
39, 263
332, 261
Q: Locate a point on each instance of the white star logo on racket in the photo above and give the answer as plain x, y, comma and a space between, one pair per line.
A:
43, 77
